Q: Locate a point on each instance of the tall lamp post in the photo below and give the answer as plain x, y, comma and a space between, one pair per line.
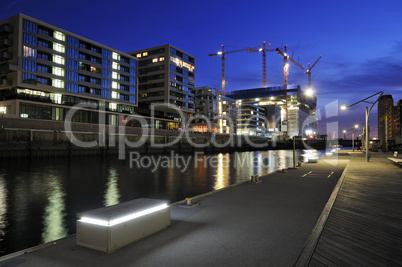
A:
367, 117
353, 137
353, 134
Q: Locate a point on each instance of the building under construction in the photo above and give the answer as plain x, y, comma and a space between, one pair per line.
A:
301, 111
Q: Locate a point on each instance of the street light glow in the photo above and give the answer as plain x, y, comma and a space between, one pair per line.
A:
343, 107
356, 126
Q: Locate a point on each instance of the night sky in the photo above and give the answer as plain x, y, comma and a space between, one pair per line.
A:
360, 41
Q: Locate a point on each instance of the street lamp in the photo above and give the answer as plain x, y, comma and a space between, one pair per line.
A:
353, 134
353, 137
367, 116
344, 134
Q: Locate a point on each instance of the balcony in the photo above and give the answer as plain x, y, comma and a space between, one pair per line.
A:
5, 29
5, 42
4, 83
7, 68
4, 56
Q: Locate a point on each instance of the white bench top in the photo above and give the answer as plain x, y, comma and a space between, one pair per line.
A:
111, 213
395, 159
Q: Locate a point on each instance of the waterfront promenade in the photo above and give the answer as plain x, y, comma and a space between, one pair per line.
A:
278, 222
364, 225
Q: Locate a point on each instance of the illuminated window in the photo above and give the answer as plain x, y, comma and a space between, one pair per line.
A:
139, 55
115, 85
57, 83
115, 75
56, 98
59, 36
144, 54
115, 56
162, 59
115, 66
57, 71
154, 60
112, 106
115, 95
3, 110
58, 47
58, 59
29, 52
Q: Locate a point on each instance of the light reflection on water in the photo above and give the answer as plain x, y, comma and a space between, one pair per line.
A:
112, 194
3, 206
39, 199
54, 226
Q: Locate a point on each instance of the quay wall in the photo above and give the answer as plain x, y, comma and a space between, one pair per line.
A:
26, 138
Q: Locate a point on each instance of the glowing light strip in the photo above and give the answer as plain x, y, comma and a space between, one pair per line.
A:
124, 218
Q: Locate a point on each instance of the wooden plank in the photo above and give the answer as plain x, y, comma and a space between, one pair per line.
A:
372, 223
323, 261
368, 218
325, 250
346, 252
359, 228
316, 263
373, 239
389, 254
374, 226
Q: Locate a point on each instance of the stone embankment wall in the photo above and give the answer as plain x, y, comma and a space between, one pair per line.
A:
38, 138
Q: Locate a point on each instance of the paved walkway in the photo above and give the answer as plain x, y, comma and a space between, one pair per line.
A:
264, 224
364, 226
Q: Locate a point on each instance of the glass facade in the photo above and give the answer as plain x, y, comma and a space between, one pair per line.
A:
72, 65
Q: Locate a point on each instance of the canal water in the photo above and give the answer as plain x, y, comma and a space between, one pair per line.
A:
39, 198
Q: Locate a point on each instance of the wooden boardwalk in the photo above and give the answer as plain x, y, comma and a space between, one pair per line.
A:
364, 227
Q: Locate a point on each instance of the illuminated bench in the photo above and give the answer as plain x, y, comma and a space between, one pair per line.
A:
110, 228
397, 162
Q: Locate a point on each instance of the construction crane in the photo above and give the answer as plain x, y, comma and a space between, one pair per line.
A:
285, 77
264, 63
308, 72
223, 53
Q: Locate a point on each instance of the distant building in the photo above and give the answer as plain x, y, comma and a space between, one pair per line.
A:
300, 108
166, 75
251, 119
44, 70
384, 104
219, 110
398, 122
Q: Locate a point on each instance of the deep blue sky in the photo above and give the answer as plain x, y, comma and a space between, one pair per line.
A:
359, 40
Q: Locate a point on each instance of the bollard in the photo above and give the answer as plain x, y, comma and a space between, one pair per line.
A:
189, 203
255, 178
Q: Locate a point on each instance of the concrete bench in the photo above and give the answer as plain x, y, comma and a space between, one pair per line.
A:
110, 228
396, 161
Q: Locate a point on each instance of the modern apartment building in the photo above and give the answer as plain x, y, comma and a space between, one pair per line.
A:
398, 122
384, 103
301, 109
219, 110
166, 76
44, 70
